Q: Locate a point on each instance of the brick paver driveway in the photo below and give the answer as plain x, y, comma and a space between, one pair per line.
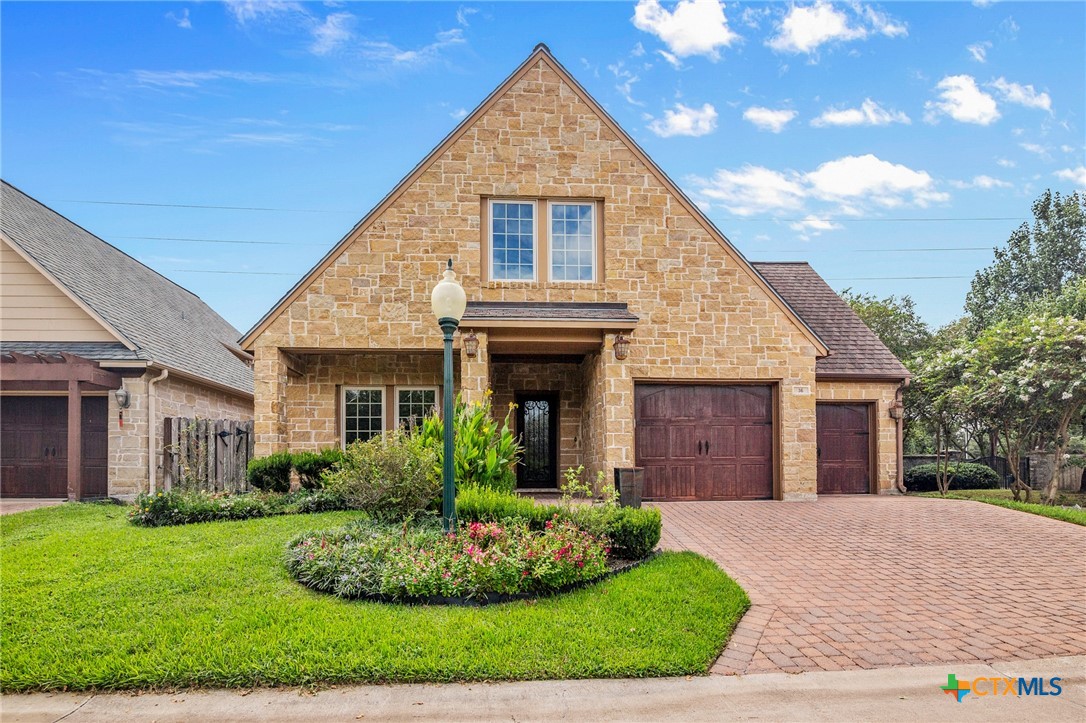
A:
866, 582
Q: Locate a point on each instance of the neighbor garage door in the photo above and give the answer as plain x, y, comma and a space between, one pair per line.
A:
705, 442
34, 446
844, 448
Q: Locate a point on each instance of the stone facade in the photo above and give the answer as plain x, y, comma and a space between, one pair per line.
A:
882, 395
174, 397
703, 314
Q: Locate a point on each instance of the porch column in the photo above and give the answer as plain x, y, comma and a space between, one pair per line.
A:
75, 441
618, 406
475, 373
270, 372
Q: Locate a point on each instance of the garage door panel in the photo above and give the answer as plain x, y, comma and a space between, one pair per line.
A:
844, 448
719, 444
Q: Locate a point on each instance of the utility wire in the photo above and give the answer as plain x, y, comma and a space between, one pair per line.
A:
244, 273
891, 278
223, 241
197, 205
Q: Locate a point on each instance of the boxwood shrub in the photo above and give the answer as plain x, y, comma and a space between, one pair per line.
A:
271, 473
966, 476
633, 533
311, 466
182, 508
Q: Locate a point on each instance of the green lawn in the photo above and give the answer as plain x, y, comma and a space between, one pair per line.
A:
1004, 498
90, 601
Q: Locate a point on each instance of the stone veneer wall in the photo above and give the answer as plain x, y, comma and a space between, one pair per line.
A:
312, 400
564, 378
882, 394
702, 315
174, 398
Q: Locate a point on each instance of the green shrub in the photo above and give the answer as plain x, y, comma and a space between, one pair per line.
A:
966, 476
187, 507
271, 473
311, 466
633, 533
485, 452
413, 561
392, 477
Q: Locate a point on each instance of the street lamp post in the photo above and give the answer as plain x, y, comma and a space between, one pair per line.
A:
448, 301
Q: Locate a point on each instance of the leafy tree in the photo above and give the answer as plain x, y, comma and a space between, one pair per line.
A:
933, 401
1036, 261
893, 319
1070, 301
1026, 380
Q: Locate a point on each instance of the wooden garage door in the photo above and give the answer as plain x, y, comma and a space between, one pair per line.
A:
844, 449
705, 442
34, 446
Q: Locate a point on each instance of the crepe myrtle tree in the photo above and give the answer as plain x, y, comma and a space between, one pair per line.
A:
1026, 379
935, 388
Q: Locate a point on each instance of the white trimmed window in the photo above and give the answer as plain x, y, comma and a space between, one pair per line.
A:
573, 241
363, 413
512, 240
413, 404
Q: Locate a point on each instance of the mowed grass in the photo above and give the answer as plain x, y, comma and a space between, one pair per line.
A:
1004, 498
90, 601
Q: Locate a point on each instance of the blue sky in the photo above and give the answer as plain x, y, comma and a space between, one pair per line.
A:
854, 136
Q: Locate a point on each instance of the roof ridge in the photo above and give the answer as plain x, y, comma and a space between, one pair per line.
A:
53, 211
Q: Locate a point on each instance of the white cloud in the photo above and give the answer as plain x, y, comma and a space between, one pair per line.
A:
979, 51
382, 51
804, 29
332, 33
962, 100
672, 60
459, 114
1025, 95
1076, 176
869, 113
247, 11
194, 78
463, 13
1005, 163
870, 178
753, 189
694, 27
767, 119
882, 23
982, 181
812, 225
1034, 148
182, 20
685, 121
625, 83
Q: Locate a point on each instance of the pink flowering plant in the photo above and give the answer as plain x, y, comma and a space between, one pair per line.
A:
369, 559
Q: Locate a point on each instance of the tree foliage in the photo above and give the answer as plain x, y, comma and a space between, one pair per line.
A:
1037, 261
893, 319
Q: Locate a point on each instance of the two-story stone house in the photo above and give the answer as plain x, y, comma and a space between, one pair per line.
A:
740, 380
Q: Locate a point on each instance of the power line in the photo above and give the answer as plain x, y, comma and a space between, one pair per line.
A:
245, 273
847, 219
196, 205
871, 250
891, 278
222, 241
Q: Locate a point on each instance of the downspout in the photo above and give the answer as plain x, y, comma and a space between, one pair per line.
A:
152, 467
898, 397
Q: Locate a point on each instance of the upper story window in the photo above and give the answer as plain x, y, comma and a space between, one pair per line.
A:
542, 240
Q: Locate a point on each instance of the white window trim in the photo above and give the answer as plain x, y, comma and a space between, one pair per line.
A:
535, 237
343, 410
435, 390
550, 242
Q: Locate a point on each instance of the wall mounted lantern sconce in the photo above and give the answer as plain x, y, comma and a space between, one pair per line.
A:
471, 345
123, 397
897, 409
622, 347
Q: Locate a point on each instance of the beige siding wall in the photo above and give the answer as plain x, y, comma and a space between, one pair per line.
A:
882, 395
702, 315
32, 308
128, 470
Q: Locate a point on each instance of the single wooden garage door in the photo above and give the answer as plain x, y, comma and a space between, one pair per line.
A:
34, 446
844, 449
705, 442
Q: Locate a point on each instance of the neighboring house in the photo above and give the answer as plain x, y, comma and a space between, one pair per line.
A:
80, 320
568, 238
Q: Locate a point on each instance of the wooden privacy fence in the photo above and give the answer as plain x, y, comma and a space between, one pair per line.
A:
206, 454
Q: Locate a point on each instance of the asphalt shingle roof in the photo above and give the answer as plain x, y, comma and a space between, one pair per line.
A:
96, 350
854, 348
167, 323
548, 311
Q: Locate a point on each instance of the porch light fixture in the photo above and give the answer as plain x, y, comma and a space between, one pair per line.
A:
449, 302
123, 397
622, 347
471, 345
897, 409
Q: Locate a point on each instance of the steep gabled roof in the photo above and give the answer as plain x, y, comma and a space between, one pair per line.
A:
541, 53
149, 314
855, 351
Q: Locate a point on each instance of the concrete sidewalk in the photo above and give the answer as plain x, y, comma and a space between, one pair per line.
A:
886, 694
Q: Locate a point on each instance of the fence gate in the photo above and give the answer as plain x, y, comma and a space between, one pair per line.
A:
206, 454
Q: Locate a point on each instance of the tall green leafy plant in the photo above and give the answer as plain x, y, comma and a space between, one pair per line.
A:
485, 452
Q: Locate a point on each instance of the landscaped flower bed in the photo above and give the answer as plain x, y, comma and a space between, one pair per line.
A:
481, 562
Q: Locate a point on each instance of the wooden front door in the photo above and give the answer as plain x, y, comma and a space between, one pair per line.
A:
537, 424
844, 448
705, 442
95, 428
34, 446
